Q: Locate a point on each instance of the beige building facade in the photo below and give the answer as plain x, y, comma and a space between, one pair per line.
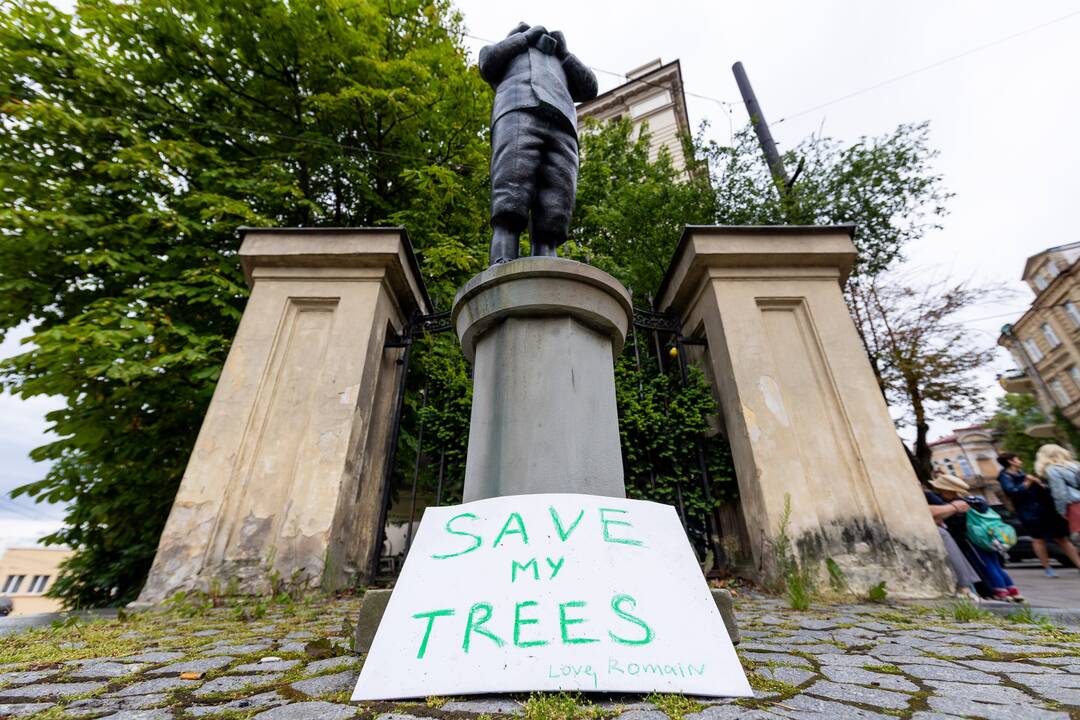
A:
26, 574
970, 453
653, 95
1045, 340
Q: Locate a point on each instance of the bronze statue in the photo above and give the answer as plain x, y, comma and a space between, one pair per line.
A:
534, 149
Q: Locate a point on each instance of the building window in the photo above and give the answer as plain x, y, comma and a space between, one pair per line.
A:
1074, 373
1060, 394
1033, 350
14, 582
1052, 269
965, 468
1050, 335
1040, 281
1073, 312
37, 585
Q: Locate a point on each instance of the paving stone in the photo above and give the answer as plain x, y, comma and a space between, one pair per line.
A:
397, 716
899, 660
308, 711
804, 706
341, 661
48, 690
199, 666
297, 647
925, 715
158, 714
973, 709
957, 674
731, 712
503, 706
643, 715
1010, 667
206, 633
156, 656
814, 624
96, 706
861, 676
954, 651
262, 700
325, 684
782, 658
848, 660
105, 669
239, 649
1054, 660
1000, 694
1015, 649
1042, 679
157, 685
22, 709
789, 675
229, 683
877, 626
859, 694
274, 666
299, 635
24, 677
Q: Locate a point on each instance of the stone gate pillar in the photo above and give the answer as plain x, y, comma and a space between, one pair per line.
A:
286, 476
802, 408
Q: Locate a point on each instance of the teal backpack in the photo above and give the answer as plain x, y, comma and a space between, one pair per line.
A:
988, 531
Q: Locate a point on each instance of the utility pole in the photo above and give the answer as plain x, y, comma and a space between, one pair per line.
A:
761, 128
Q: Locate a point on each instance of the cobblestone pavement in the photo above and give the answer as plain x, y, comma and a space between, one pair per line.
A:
275, 661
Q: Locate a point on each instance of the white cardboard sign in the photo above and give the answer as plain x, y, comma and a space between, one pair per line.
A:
550, 592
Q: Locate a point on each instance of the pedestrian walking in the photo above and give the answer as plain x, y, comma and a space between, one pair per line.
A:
948, 491
1036, 507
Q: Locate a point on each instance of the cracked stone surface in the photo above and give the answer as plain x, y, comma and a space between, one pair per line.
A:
849, 662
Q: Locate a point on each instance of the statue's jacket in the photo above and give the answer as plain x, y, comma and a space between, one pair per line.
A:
524, 78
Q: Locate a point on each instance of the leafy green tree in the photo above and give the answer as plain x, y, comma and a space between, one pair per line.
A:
630, 212
137, 138
1015, 413
886, 185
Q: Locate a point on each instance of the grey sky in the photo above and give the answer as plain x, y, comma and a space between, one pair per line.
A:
1004, 119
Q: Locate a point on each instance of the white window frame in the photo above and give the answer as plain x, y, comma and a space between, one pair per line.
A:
37, 584
1074, 373
1033, 350
1040, 281
1052, 269
1073, 312
1051, 337
965, 467
13, 583
1060, 393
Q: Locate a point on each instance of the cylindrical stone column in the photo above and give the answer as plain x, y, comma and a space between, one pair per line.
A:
542, 334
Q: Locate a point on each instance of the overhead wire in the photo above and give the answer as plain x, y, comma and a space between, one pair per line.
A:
931, 66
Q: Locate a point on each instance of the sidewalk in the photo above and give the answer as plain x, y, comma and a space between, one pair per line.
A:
291, 662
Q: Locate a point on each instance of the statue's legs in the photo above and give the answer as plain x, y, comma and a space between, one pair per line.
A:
534, 163
555, 192
504, 244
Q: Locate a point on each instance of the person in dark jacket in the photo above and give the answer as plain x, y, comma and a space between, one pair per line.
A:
534, 147
1035, 508
949, 507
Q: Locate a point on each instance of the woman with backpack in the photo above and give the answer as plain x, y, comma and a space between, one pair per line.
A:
1035, 507
986, 562
1058, 466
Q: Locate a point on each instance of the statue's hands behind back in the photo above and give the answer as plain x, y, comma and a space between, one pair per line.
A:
533, 34
560, 44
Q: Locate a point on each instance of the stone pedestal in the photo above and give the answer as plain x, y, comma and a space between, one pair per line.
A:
801, 406
286, 476
542, 334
